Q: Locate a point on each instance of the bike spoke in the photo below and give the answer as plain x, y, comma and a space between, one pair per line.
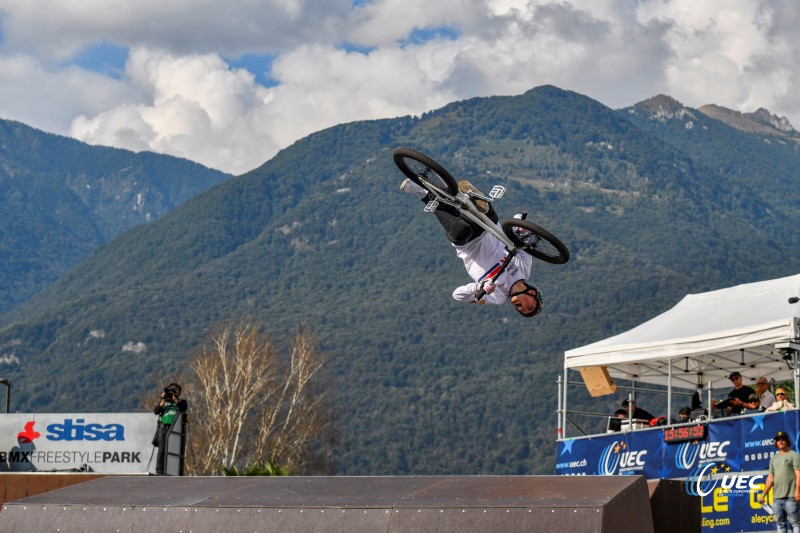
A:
425, 173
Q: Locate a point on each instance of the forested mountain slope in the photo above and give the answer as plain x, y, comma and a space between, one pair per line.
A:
320, 234
62, 198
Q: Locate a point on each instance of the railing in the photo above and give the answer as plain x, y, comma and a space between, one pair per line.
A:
563, 413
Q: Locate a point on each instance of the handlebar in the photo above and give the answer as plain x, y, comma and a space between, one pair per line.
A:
509, 256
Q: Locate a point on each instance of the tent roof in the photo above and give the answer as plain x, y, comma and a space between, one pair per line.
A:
705, 337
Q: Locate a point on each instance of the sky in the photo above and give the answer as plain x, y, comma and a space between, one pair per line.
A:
229, 83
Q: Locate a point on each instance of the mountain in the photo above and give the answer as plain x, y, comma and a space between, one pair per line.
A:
743, 149
761, 122
663, 108
62, 198
321, 235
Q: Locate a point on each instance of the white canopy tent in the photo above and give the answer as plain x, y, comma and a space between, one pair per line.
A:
705, 337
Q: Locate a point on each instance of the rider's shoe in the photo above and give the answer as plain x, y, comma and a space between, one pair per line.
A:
465, 187
412, 188
521, 233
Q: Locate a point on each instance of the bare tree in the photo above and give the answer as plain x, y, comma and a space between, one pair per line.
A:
289, 431
251, 407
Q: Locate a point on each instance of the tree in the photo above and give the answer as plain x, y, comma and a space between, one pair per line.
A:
251, 407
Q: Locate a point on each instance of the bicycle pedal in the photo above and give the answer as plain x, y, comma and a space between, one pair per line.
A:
431, 206
497, 192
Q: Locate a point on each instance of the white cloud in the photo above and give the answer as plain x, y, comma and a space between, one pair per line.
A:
737, 53
177, 95
203, 110
50, 98
197, 108
181, 26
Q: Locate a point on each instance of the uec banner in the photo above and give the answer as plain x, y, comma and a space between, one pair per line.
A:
742, 443
727, 469
119, 443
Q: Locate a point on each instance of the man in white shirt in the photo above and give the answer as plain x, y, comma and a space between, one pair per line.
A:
483, 256
762, 389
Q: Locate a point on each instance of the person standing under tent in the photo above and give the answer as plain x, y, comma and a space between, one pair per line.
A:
784, 479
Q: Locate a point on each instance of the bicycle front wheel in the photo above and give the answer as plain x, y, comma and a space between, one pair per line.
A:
535, 240
422, 169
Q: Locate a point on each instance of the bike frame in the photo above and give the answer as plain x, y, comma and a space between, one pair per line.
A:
462, 202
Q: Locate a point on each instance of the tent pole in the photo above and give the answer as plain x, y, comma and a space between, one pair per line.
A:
631, 404
564, 407
669, 391
559, 431
710, 409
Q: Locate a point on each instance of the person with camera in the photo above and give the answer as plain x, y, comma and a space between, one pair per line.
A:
167, 411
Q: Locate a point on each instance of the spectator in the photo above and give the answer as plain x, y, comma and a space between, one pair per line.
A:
782, 402
684, 415
740, 393
167, 411
615, 422
696, 403
784, 476
752, 405
638, 412
762, 389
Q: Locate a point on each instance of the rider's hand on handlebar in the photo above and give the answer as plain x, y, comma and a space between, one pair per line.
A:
487, 286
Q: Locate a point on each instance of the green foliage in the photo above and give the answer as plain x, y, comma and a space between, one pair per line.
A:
321, 235
265, 469
62, 199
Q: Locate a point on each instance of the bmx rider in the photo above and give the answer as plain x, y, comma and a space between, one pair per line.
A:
484, 255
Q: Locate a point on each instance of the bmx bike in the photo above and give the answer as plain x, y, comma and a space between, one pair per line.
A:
516, 234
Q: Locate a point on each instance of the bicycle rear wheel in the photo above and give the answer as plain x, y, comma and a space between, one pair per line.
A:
421, 168
535, 240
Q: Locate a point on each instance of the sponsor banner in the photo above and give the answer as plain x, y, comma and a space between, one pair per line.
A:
118, 443
724, 469
742, 443
728, 500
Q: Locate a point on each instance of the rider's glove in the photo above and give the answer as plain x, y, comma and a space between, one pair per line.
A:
485, 287
488, 286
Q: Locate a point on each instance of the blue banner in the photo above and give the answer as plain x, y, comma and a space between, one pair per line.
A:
725, 469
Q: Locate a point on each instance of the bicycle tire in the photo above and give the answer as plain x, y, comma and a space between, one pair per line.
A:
420, 168
538, 242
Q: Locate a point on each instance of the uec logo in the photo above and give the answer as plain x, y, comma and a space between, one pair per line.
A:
702, 483
614, 456
688, 452
685, 455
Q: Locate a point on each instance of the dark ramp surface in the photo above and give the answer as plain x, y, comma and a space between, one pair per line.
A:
338, 504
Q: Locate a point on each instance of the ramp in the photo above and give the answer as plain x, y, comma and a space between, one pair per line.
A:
338, 504
673, 509
14, 486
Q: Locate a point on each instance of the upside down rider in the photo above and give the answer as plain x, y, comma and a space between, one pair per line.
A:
483, 255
